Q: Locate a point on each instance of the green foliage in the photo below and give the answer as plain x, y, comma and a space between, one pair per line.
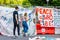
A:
28, 3
37, 2
44, 3
56, 2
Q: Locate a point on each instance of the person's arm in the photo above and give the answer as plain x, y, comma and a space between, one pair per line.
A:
16, 18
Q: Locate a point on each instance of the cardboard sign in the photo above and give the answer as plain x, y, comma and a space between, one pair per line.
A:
45, 15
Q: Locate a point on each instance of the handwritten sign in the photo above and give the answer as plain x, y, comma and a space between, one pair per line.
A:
45, 15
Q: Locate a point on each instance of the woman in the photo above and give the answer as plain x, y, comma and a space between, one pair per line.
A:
25, 25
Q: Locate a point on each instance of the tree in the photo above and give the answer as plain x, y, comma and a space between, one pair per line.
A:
1, 2
56, 3
37, 2
26, 3
7, 2
44, 3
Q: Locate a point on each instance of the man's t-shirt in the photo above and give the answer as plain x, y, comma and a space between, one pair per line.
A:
15, 16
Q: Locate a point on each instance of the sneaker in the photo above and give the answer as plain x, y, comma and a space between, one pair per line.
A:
15, 36
24, 35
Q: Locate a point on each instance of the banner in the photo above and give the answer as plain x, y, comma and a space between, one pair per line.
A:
45, 15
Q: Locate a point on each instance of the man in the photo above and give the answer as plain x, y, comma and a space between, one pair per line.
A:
15, 21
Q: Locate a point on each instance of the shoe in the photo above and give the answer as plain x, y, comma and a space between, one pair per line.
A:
15, 36
24, 35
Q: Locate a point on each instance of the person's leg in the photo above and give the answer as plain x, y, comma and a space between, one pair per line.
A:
24, 31
18, 29
23, 25
26, 27
14, 29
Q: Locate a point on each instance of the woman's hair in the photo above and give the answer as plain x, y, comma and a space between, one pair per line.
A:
25, 14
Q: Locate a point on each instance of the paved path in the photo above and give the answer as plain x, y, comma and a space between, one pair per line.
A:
12, 38
26, 38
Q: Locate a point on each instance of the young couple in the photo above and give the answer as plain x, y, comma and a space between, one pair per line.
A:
16, 22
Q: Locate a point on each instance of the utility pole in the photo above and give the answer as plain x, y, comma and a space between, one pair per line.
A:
47, 2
